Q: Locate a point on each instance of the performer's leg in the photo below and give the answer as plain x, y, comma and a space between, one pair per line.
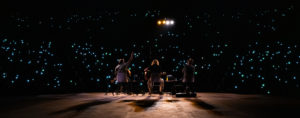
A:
121, 87
107, 89
187, 87
144, 87
192, 87
161, 85
149, 83
112, 88
127, 87
118, 86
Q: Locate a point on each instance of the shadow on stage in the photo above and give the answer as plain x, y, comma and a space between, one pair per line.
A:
198, 103
142, 105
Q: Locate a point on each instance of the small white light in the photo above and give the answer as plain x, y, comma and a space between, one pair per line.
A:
171, 22
167, 22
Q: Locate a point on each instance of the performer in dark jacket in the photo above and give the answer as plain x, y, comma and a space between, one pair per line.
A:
189, 76
155, 72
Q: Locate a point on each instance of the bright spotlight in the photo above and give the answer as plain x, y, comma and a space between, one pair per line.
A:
171, 22
159, 22
167, 22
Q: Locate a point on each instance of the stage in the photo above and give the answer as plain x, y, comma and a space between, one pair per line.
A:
99, 105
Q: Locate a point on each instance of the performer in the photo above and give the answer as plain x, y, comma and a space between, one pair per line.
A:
155, 72
121, 72
188, 76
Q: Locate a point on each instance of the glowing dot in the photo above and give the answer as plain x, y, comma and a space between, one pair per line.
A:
4, 75
167, 22
171, 22
4, 40
17, 76
159, 22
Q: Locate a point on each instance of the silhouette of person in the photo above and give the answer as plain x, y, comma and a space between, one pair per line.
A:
155, 72
189, 76
121, 72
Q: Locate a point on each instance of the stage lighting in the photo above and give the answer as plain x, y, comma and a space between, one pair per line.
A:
171, 22
159, 22
165, 22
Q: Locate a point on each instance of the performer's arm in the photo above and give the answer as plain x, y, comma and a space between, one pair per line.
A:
130, 59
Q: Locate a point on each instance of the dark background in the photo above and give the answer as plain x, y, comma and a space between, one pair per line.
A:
231, 19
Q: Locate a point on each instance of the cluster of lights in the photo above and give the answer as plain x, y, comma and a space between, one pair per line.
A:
98, 60
246, 68
165, 22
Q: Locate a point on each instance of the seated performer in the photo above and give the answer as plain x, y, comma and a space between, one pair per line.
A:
155, 72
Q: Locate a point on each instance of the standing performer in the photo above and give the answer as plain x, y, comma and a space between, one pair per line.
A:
155, 72
188, 76
121, 71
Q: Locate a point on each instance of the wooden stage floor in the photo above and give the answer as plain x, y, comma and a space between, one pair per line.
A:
99, 105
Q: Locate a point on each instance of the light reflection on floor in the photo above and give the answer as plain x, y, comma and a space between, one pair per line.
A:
206, 105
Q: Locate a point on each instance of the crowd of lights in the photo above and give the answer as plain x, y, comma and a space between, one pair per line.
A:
262, 65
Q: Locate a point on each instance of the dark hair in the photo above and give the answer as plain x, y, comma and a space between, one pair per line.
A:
121, 61
190, 61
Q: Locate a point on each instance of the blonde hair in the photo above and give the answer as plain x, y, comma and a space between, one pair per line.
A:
155, 61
